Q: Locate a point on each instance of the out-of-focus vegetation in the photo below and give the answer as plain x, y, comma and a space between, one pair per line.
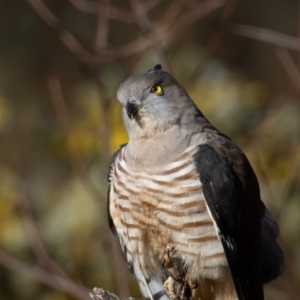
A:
61, 63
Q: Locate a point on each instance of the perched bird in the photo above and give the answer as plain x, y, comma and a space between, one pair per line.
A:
181, 190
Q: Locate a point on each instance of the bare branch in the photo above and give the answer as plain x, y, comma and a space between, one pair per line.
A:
222, 29
143, 22
100, 294
162, 32
6, 214
63, 119
151, 4
67, 38
188, 4
171, 13
57, 282
216, 39
266, 35
86, 6
290, 67
35, 239
131, 48
102, 27
113, 12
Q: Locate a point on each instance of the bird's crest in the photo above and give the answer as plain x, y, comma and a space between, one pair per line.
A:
156, 68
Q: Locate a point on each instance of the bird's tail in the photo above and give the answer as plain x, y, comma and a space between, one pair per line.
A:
151, 288
273, 262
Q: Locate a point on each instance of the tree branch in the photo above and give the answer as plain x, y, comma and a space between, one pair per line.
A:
266, 35
102, 27
290, 67
57, 282
162, 32
67, 38
63, 119
94, 7
35, 240
144, 24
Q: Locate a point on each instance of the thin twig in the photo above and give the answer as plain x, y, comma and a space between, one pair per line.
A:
57, 282
188, 4
162, 32
151, 4
215, 41
266, 35
67, 38
290, 67
86, 6
35, 239
171, 13
6, 214
131, 48
143, 22
93, 7
63, 119
222, 29
102, 27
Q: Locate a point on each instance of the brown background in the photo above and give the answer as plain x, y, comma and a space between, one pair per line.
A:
61, 63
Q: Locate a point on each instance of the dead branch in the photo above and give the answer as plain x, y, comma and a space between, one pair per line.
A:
162, 32
290, 67
171, 13
35, 239
151, 4
215, 41
94, 7
102, 27
86, 6
265, 35
55, 281
67, 38
142, 20
137, 46
63, 119
100, 294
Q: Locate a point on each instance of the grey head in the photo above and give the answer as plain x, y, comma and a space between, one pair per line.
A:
154, 102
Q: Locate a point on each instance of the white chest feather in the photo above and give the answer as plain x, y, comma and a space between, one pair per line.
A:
155, 209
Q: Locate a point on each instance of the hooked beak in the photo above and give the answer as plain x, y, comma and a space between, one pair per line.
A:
132, 108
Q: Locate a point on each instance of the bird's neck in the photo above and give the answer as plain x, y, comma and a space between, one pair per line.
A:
158, 149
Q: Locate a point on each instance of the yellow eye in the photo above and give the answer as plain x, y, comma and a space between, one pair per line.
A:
157, 89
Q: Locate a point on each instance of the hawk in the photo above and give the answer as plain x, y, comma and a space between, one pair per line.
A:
183, 199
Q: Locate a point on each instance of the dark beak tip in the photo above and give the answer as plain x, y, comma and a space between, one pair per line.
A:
132, 109
131, 117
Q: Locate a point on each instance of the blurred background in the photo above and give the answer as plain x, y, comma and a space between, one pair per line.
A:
61, 62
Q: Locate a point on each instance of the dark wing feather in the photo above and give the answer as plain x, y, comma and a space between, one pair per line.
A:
232, 195
272, 254
273, 260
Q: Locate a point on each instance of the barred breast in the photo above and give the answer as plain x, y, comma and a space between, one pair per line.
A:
152, 209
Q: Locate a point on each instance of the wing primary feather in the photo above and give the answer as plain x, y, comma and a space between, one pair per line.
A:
237, 219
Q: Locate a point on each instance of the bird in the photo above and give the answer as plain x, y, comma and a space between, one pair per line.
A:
183, 199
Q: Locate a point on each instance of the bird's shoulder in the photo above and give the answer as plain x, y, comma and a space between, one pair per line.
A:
221, 148
111, 167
